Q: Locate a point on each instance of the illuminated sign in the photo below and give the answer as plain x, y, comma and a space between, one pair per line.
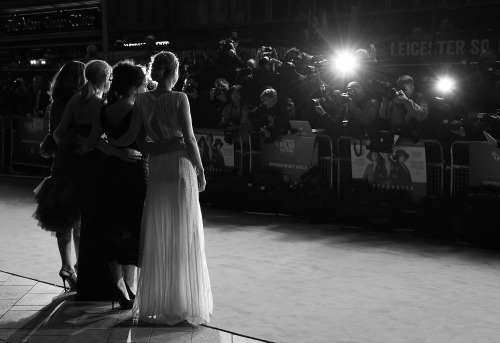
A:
54, 21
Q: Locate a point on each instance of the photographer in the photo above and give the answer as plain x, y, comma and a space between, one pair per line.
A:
199, 103
266, 73
270, 117
361, 109
228, 62
405, 109
218, 98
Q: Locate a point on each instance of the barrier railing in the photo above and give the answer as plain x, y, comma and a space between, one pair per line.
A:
2, 142
434, 167
26, 136
459, 178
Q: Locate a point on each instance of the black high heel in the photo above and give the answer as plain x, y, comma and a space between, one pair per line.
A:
66, 277
125, 304
131, 295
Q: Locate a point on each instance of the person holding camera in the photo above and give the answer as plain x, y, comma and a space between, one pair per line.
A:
228, 61
361, 109
270, 118
405, 108
218, 100
198, 103
235, 115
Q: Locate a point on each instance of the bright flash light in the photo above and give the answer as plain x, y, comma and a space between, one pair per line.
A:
445, 85
345, 63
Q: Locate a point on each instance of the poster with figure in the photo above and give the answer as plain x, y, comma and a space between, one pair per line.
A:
484, 163
216, 154
402, 169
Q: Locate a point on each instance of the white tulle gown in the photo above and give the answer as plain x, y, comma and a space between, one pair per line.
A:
173, 280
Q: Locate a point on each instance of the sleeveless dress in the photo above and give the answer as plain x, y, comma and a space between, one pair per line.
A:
173, 283
125, 189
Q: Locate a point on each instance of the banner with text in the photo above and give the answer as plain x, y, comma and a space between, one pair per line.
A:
290, 155
402, 169
484, 163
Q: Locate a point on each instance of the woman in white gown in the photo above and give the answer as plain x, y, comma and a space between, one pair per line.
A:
173, 282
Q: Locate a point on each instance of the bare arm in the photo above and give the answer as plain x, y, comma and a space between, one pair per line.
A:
66, 121
190, 139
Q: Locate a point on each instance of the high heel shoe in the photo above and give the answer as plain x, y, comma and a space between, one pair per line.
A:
125, 304
131, 295
66, 276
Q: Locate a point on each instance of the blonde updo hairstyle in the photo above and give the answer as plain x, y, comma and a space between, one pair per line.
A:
163, 65
97, 73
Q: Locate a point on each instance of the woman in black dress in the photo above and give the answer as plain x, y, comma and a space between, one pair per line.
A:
125, 183
56, 210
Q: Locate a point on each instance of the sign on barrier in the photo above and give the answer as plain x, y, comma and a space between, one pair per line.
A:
216, 154
291, 155
402, 169
484, 164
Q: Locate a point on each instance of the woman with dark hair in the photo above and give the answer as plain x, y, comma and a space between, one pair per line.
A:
57, 210
125, 182
173, 283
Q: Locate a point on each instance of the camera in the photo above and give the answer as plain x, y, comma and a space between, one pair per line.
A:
268, 55
219, 91
189, 88
340, 98
384, 89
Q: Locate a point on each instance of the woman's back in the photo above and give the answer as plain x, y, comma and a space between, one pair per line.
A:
160, 114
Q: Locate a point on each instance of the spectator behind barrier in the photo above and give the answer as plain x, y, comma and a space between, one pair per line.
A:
270, 118
218, 95
235, 115
362, 109
199, 104
406, 110
482, 88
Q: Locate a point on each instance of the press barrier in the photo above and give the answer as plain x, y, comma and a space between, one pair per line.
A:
323, 145
434, 163
459, 176
26, 136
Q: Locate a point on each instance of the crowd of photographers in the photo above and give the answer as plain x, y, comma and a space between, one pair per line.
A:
262, 94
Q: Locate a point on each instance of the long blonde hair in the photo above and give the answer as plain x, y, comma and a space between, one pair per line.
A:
96, 73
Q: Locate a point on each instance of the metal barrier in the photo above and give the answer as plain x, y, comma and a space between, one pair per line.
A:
326, 158
459, 179
212, 169
26, 136
2, 142
434, 167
